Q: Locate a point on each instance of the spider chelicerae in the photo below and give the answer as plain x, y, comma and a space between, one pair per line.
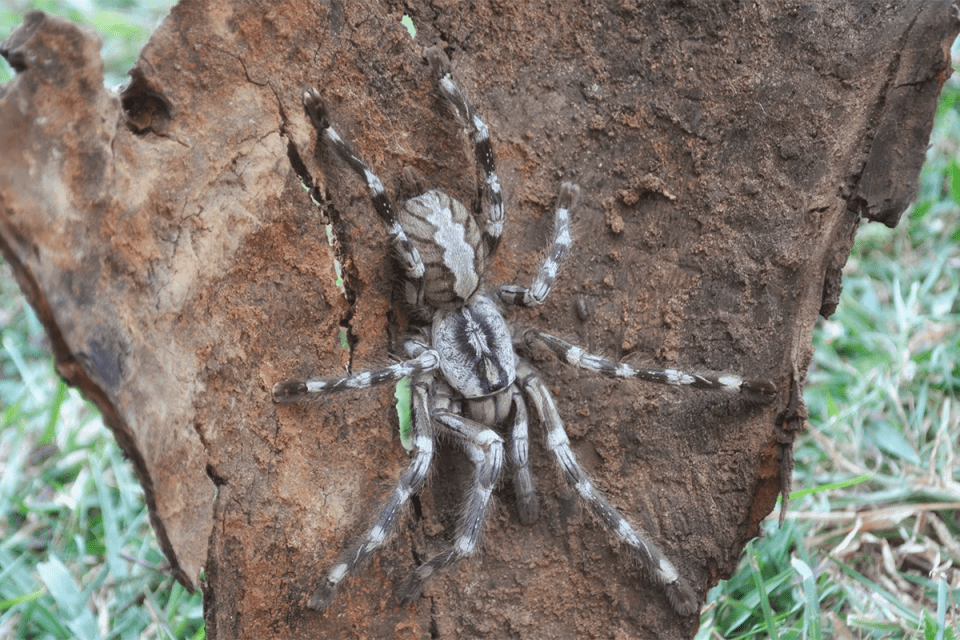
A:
469, 383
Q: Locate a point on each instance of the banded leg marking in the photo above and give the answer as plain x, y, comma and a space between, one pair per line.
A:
406, 251
678, 590
411, 483
491, 194
758, 391
552, 259
293, 390
485, 450
528, 506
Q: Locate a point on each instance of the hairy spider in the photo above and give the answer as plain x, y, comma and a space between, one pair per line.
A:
468, 382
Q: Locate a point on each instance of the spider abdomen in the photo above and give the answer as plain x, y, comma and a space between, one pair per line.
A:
476, 352
450, 245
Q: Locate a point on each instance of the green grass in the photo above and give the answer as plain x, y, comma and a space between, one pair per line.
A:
124, 25
867, 550
78, 558
76, 534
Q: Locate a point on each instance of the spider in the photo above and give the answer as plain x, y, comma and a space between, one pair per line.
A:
468, 382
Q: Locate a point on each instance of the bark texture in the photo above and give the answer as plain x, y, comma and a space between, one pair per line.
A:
726, 152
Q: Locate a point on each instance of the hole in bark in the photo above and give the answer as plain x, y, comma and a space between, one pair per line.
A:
145, 109
16, 60
215, 477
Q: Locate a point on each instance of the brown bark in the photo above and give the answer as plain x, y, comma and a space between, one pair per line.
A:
726, 153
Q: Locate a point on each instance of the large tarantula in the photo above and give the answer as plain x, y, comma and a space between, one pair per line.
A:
468, 382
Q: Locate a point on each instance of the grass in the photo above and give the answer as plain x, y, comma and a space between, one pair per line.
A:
78, 558
867, 551
76, 534
124, 25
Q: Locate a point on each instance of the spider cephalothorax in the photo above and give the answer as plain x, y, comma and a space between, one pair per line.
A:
468, 381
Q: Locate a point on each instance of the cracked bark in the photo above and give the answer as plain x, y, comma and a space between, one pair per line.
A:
726, 154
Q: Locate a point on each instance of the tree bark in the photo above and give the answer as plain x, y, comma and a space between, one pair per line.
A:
726, 152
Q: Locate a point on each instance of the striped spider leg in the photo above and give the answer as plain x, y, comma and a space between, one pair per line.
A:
681, 595
490, 192
421, 369
552, 259
485, 449
437, 409
294, 390
754, 391
653, 561
406, 250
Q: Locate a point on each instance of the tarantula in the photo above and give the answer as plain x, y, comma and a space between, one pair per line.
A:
468, 382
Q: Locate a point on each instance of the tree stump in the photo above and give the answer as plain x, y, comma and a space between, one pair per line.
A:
726, 152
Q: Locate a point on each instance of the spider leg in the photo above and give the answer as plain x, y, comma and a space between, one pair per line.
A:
485, 449
678, 590
552, 259
490, 192
406, 251
758, 391
508, 410
411, 483
528, 506
293, 390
